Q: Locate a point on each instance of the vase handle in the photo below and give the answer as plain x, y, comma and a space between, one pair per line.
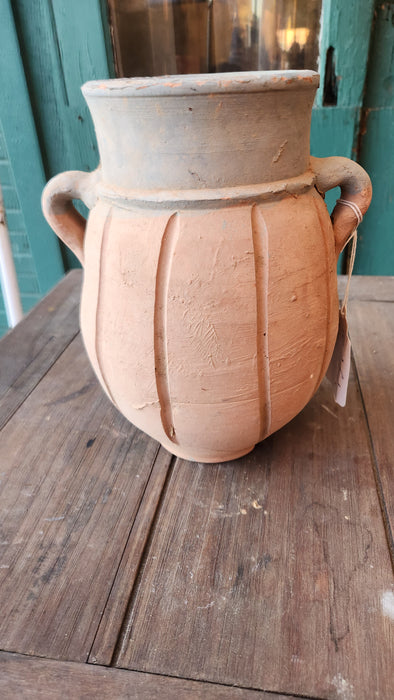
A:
355, 187
58, 209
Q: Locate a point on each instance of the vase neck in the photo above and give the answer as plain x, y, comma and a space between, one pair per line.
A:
199, 141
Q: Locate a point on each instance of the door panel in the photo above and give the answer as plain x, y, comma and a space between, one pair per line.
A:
375, 253
37, 253
50, 47
345, 29
64, 44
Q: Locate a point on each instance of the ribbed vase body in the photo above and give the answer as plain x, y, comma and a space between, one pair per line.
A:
211, 328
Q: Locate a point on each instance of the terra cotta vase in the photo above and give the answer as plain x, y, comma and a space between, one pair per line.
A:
209, 307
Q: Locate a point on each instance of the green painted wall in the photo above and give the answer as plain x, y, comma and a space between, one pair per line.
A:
22, 164
64, 44
48, 48
346, 27
375, 253
23, 258
36, 254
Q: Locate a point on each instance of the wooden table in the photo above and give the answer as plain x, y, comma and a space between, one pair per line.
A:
127, 573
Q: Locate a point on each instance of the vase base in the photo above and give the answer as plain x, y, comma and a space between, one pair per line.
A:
208, 457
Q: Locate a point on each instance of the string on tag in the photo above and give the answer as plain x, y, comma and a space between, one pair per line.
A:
339, 369
356, 209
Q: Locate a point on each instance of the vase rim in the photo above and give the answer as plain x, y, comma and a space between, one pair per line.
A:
203, 83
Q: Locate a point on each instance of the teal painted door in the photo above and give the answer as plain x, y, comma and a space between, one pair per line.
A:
361, 124
48, 48
345, 38
376, 148
36, 254
64, 44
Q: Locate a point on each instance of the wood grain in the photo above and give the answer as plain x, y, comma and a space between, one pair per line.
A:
271, 573
73, 475
116, 607
268, 572
368, 288
30, 350
372, 333
27, 678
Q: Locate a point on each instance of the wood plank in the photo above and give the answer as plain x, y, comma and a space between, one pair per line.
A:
368, 288
372, 334
38, 327
29, 351
27, 678
117, 604
270, 572
73, 475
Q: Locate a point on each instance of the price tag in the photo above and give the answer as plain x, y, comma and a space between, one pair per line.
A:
339, 368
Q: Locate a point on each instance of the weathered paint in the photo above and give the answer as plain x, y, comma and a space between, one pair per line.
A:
334, 128
376, 240
24, 158
332, 133
20, 245
346, 27
64, 45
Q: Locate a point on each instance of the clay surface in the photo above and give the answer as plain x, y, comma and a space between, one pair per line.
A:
209, 308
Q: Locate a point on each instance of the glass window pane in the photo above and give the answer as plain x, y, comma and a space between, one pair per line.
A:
158, 37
